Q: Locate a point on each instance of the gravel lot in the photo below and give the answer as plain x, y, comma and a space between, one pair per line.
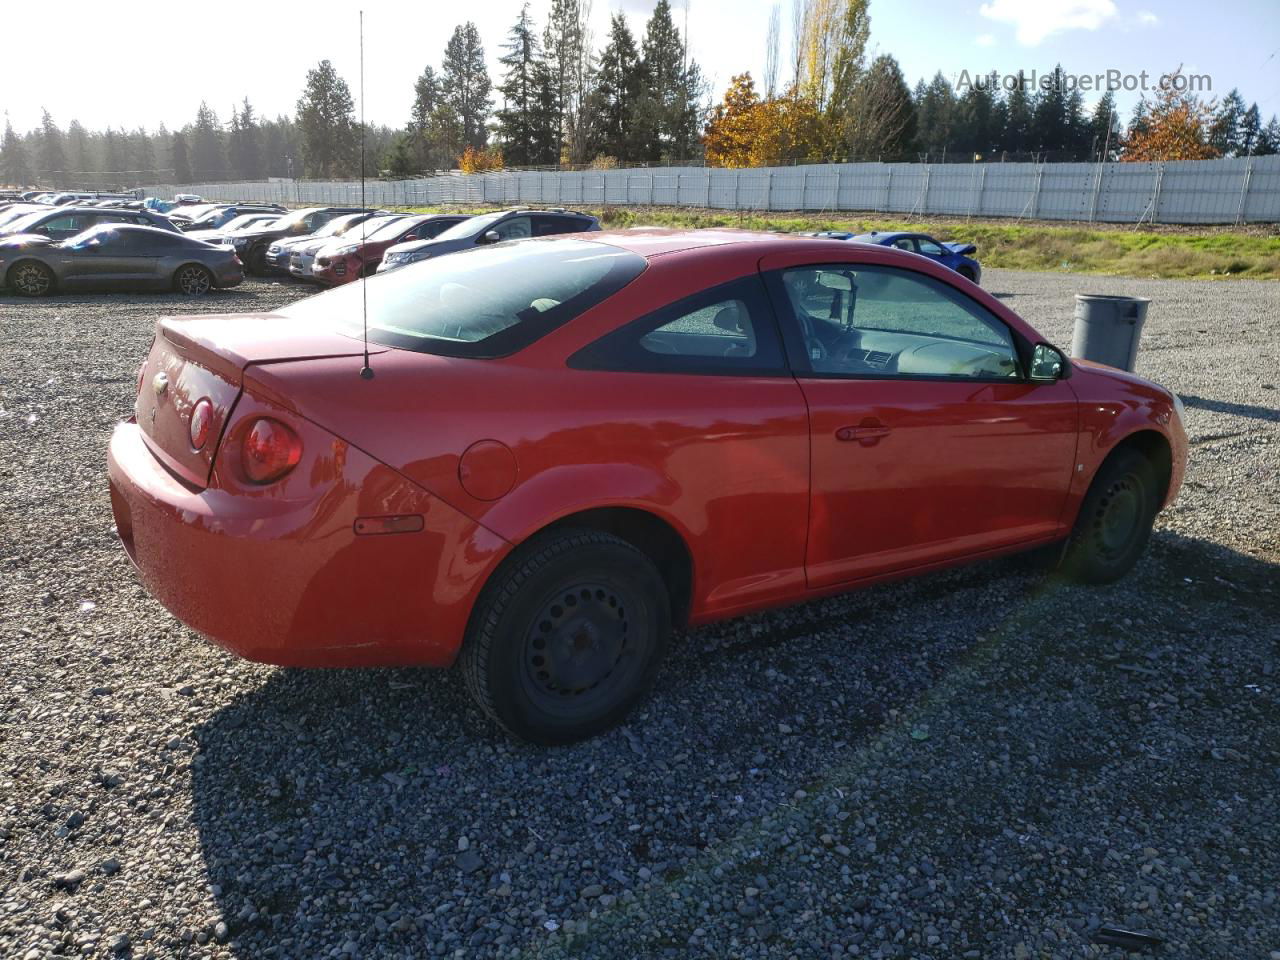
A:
982, 763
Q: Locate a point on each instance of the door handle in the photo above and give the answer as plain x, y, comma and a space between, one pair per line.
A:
866, 433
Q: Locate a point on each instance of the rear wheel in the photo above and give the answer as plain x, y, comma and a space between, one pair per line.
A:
193, 280
29, 278
1115, 520
567, 637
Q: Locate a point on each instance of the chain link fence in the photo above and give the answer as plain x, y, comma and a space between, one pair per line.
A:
1228, 190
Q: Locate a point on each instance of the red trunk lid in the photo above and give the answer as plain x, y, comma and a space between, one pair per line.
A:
196, 358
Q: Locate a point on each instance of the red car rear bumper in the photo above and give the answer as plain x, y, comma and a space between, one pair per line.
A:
292, 582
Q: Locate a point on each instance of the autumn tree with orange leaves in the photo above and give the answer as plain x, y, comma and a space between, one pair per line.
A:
480, 161
1174, 126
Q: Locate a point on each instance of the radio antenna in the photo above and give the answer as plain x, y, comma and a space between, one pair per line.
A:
366, 372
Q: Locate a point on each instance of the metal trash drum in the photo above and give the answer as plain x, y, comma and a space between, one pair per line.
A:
1108, 328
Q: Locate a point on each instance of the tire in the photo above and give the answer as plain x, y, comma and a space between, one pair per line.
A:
30, 278
193, 280
256, 260
567, 636
1115, 520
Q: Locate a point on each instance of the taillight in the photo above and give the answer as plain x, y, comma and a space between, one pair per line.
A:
270, 450
201, 417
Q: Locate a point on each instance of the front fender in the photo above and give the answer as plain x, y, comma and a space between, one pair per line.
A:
1114, 407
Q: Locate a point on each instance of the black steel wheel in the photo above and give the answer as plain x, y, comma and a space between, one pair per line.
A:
193, 280
567, 637
1115, 520
30, 278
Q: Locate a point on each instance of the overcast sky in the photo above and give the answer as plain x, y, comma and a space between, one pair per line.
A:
124, 64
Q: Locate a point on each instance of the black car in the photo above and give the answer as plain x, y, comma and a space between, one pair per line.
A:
490, 228
252, 244
62, 223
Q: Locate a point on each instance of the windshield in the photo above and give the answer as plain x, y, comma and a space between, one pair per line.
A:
27, 221
289, 219
339, 225
247, 219
383, 228
369, 227
473, 227
488, 303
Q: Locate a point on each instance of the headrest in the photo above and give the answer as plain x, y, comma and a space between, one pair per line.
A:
729, 318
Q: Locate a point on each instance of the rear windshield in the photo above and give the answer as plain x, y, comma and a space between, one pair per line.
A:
482, 303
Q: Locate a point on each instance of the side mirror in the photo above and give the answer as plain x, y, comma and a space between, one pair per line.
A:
1047, 363
491, 236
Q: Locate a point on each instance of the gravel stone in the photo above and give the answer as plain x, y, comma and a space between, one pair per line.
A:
1094, 755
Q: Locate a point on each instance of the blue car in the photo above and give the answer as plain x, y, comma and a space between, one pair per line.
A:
953, 255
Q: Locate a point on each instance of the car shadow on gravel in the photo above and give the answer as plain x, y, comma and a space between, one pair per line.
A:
369, 810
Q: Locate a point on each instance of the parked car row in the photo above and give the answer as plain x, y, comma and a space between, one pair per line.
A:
46, 247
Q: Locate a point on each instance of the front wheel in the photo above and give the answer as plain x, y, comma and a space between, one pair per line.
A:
567, 637
193, 280
31, 279
1115, 520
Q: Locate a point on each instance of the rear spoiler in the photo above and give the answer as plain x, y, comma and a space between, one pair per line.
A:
961, 248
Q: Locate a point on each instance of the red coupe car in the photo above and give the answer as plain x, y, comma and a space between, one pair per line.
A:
564, 447
350, 257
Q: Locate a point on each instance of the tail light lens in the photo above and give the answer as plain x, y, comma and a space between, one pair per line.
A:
201, 417
270, 450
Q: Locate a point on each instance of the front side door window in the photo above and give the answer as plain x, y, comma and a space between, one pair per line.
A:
927, 442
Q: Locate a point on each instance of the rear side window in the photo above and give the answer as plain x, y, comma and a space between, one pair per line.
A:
488, 302
728, 329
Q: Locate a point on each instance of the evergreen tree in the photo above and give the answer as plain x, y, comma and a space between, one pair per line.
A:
1224, 131
162, 152
544, 147
974, 130
1268, 139
617, 94
670, 107
15, 166
1250, 129
1104, 129
208, 155
326, 121
465, 84
519, 92
245, 146
53, 159
935, 117
1017, 128
423, 136
142, 158
181, 159
80, 158
112, 158
1049, 127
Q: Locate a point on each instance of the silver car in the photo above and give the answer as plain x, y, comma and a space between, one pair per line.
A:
116, 257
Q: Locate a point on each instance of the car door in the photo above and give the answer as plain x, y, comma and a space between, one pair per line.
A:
701, 389
114, 258
928, 441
